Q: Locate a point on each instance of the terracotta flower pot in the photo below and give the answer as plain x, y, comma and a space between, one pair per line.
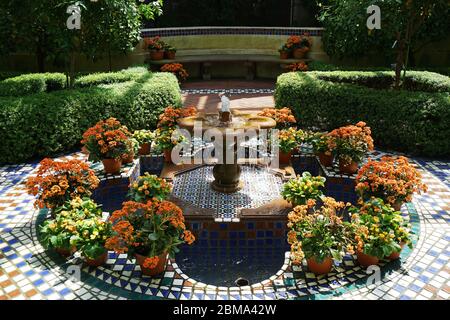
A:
168, 156
144, 149
99, 261
396, 255
366, 260
112, 166
348, 168
320, 268
325, 160
299, 53
156, 54
285, 158
128, 158
64, 252
284, 55
160, 267
170, 55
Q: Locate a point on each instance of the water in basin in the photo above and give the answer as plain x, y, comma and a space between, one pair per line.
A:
232, 251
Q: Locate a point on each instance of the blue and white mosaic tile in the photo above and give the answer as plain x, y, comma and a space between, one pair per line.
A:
259, 187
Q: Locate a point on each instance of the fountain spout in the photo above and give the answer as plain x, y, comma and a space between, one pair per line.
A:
224, 113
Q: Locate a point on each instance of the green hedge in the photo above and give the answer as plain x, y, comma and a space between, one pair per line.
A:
95, 79
32, 83
409, 121
49, 123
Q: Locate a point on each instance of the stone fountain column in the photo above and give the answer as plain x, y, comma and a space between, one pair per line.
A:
227, 175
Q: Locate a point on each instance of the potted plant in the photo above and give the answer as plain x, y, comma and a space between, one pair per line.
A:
132, 149
59, 181
297, 66
287, 142
156, 47
92, 234
303, 188
144, 139
149, 232
321, 146
351, 143
166, 140
283, 116
148, 187
392, 222
170, 52
168, 119
392, 179
177, 69
61, 233
379, 232
284, 51
319, 235
107, 142
299, 45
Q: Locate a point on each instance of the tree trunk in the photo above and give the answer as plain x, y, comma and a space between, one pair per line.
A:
40, 55
400, 61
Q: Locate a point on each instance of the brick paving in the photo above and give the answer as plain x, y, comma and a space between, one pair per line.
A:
210, 102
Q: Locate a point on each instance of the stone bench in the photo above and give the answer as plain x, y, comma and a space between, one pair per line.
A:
230, 52
248, 61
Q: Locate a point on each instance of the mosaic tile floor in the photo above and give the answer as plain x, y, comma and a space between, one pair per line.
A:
194, 187
28, 271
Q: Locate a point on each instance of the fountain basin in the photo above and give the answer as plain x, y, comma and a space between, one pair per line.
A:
226, 174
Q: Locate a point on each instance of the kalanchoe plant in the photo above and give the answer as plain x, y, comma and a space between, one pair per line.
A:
318, 232
59, 181
62, 232
155, 44
303, 188
288, 140
91, 237
170, 48
106, 140
168, 119
166, 139
320, 142
148, 187
393, 179
379, 230
149, 229
283, 116
177, 69
143, 136
351, 143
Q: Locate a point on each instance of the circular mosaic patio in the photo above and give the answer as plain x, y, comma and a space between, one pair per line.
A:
49, 276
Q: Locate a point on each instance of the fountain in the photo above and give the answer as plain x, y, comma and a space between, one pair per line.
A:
229, 123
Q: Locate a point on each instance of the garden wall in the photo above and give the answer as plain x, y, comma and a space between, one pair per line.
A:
410, 120
45, 124
196, 40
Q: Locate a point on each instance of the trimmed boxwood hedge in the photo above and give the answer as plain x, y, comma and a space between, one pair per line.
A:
49, 123
95, 79
32, 83
416, 122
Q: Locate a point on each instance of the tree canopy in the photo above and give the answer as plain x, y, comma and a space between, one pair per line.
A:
40, 27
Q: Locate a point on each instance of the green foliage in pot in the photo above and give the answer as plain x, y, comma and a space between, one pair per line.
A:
303, 188
379, 229
318, 232
62, 232
148, 187
143, 136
